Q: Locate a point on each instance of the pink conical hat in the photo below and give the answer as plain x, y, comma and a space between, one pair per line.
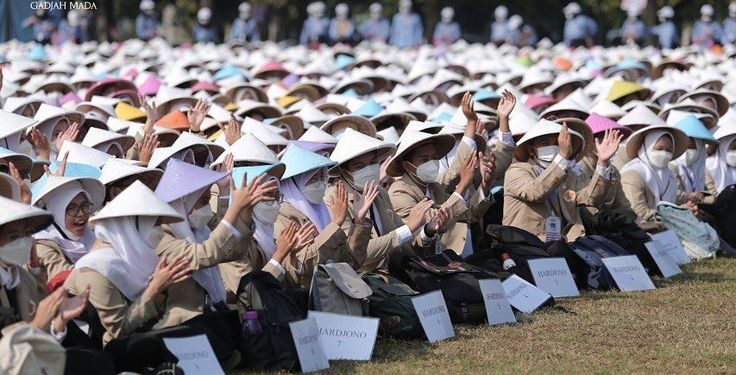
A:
599, 124
70, 97
150, 86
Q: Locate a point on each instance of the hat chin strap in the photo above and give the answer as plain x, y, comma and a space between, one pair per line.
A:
412, 175
345, 175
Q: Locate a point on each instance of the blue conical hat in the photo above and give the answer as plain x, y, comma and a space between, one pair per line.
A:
300, 160
369, 109
276, 170
76, 170
181, 179
695, 129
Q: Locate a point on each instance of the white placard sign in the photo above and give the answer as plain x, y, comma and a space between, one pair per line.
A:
433, 315
553, 276
346, 336
673, 246
308, 345
498, 308
628, 273
195, 355
662, 257
524, 296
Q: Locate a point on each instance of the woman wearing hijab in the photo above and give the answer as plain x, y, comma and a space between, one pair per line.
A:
71, 201
303, 189
359, 158
722, 164
694, 182
647, 179
543, 190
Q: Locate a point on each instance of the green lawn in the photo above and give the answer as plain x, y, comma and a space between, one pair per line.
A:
687, 325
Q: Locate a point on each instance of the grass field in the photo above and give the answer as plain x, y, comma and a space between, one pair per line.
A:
686, 326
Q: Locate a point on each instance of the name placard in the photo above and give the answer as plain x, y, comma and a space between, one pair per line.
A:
195, 355
524, 296
433, 315
554, 277
498, 309
662, 257
308, 343
672, 245
346, 336
628, 273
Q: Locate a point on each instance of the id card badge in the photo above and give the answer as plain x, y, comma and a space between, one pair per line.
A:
552, 228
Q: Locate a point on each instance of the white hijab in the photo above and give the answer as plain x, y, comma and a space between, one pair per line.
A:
659, 180
693, 176
208, 278
264, 235
723, 174
73, 247
292, 190
131, 259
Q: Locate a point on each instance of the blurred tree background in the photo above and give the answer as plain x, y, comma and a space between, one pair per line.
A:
282, 19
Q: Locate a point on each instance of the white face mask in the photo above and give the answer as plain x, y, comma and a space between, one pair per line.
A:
17, 252
547, 153
660, 159
691, 156
199, 218
315, 191
731, 158
267, 213
366, 174
428, 171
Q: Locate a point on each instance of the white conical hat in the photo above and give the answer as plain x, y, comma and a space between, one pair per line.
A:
116, 169
543, 128
248, 149
423, 126
354, 143
120, 126
316, 135
138, 200
15, 102
47, 112
82, 154
566, 104
187, 139
607, 109
309, 113
521, 123
99, 106
410, 140
52, 183
34, 218
358, 123
389, 135
264, 133
97, 137
681, 141
10, 123
640, 115
247, 105
8, 187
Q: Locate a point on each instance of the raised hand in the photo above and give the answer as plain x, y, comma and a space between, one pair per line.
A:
70, 134
439, 220
225, 167
305, 236
608, 146
167, 274
564, 141
40, 144
417, 215
244, 199
370, 192
339, 209
467, 172
47, 309
487, 171
25, 191
383, 176
231, 130
62, 166
467, 107
149, 144
285, 241
151, 114
506, 105
72, 307
197, 114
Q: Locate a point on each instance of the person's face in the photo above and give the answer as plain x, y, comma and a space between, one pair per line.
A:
319, 176
692, 144
534, 89
117, 187
256, 116
77, 215
423, 154
203, 200
732, 146
361, 161
13, 231
59, 128
27, 110
115, 151
664, 143
245, 94
405, 8
547, 140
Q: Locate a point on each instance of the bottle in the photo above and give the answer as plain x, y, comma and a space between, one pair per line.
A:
251, 325
508, 263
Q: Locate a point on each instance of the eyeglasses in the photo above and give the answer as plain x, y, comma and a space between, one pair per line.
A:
278, 199
77, 209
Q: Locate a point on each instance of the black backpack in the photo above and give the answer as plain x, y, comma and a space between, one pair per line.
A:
624, 231
457, 280
276, 306
592, 249
724, 212
391, 303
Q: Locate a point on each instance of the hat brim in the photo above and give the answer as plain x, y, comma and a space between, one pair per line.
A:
358, 123
443, 142
635, 141
521, 153
384, 151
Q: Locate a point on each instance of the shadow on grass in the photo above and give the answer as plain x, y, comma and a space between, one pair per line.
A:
700, 277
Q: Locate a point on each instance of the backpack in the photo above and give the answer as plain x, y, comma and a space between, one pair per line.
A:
698, 238
457, 280
391, 303
336, 288
724, 212
592, 250
276, 305
623, 230
519, 244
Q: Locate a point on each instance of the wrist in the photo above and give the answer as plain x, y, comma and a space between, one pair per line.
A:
461, 188
429, 231
603, 163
